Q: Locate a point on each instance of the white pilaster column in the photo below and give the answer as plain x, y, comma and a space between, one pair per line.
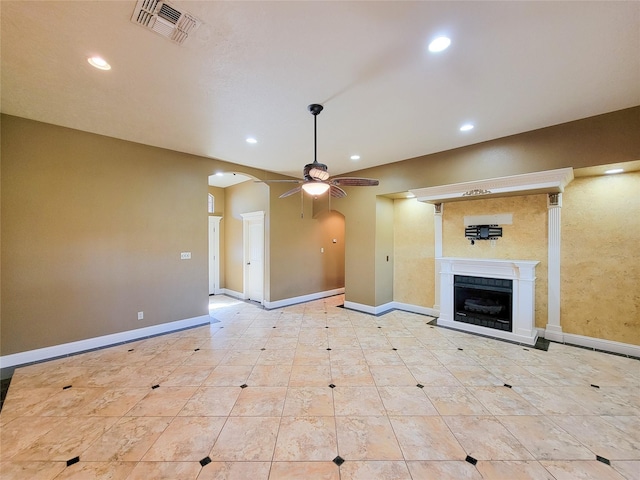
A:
553, 330
437, 229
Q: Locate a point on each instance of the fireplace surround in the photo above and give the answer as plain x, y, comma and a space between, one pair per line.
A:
513, 285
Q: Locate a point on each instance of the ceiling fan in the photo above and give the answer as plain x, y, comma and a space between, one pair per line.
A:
316, 175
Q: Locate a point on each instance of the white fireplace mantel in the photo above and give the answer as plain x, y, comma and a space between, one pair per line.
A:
521, 272
549, 181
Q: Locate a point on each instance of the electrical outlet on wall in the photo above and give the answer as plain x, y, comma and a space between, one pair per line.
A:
185, 255
140, 315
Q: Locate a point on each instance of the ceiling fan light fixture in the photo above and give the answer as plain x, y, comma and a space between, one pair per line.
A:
315, 188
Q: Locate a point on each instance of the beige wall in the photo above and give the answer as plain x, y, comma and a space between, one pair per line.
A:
359, 210
219, 203
92, 230
384, 251
242, 198
414, 253
525, 239
300, 229
601, 258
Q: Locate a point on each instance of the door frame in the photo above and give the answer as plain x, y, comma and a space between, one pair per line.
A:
248, 219
214, 255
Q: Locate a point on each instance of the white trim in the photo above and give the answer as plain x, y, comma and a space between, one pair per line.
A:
437, 232
233, 293
361, 307
70, 348
599, 344
554, 332
303, 298
554, 243
214, 254
406, 307
550, 181
248, 219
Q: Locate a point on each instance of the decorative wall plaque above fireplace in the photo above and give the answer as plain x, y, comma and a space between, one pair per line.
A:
490, 297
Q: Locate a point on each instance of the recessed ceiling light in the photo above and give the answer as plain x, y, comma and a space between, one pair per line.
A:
466, 127
614, 170
439, 44
355, 157
99, 62
251, 140
219, 174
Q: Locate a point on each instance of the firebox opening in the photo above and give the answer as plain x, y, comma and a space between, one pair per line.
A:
486, 302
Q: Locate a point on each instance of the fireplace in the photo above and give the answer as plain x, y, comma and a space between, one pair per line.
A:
489, 296
483, 301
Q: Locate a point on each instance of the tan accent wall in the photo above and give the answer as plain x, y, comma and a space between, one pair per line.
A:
414, 253
600, 284
525, 239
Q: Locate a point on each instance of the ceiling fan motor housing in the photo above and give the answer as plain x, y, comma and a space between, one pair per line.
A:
315, 171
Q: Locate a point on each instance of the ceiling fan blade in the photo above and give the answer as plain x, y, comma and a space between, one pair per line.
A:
337, 192
278, 181
290, 192
355, 182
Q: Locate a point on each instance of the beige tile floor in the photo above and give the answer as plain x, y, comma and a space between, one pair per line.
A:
288, 423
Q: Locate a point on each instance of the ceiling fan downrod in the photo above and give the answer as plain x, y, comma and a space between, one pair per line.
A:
315, 110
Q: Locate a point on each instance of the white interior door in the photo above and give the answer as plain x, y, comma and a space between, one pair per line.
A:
253, 235
214, 255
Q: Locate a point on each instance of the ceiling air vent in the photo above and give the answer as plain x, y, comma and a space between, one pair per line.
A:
165, 19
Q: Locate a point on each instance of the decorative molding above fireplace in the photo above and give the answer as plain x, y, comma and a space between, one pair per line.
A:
522, 274
549, 181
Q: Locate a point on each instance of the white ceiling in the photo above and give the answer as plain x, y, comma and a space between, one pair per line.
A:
252, 68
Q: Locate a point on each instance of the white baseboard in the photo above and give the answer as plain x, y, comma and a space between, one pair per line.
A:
602, 344
385, 307
407, 307
232, 293
303, 298
554, 333
62, 350
361, 307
